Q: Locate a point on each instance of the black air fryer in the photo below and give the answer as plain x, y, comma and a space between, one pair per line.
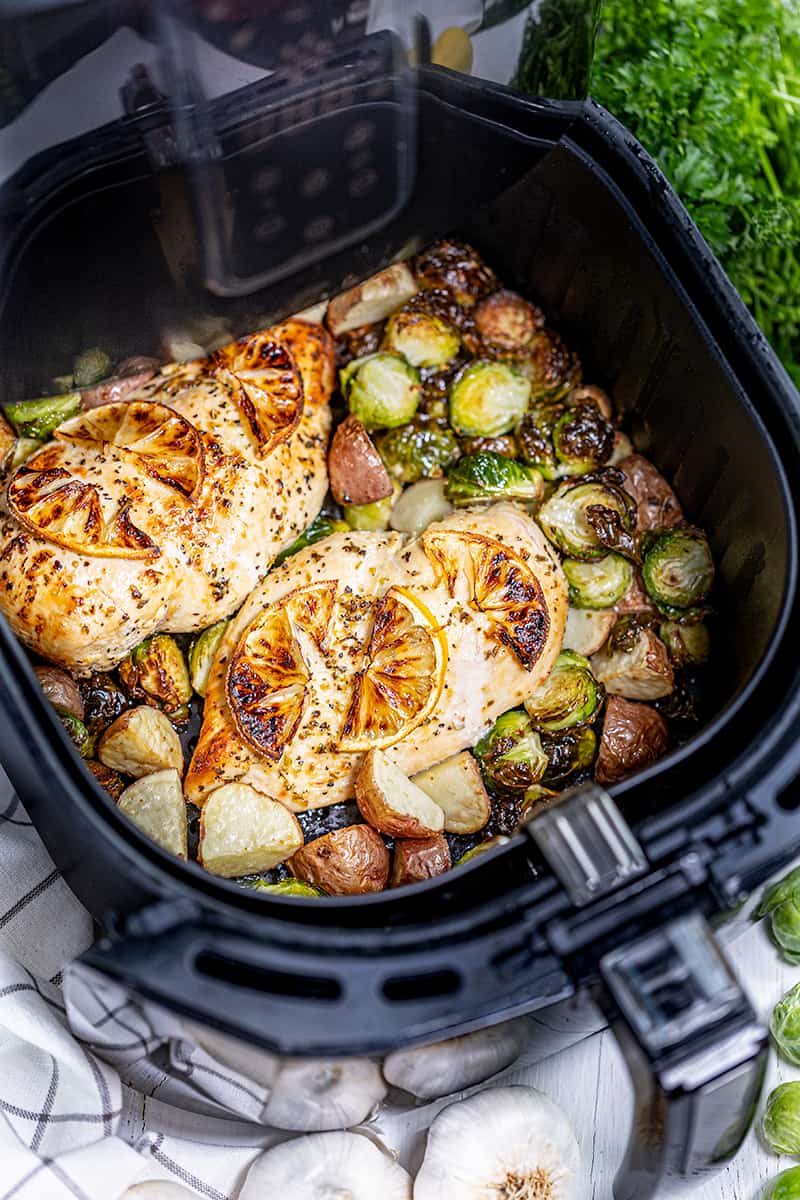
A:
245, 160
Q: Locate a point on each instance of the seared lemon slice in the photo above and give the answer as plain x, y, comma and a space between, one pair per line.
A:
499, 583
402, 680
269, 674
266, 387
55, 506
165, 443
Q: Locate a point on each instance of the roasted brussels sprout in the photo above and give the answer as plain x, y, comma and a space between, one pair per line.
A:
785, 1025
490, 844
456, 267
155, 671
568, 752
417, 451
83, 740
536, 799
549, 365
103, 702
678, 569
487, 399
90, 367
511, 755
569, 696
781, 1123
785, 1186
373, 516
382, 390
110, 781
478, 477
505, 445
599, 584
582, 439
585, 520
286, 887
634, 663
422, 338
587, 393
201, 655
36, 419
321, 527
688, 645
506, 322
535, 438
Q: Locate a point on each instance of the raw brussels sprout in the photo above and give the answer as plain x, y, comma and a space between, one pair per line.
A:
786, 928
201, 655
84, 742
585, 520
321, 527
37, 419
487, 399
155, 671
688, 645
490, 476
785, 1186
571, 751
535, 437
678, 569
569, 696
382, 390
785, 889
416, 451
598, 584
373, 516
510, 754
785, 1025
286, 887
781, 1124
422, 338
91, 366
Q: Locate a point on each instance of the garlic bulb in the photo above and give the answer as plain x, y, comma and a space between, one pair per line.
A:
311, 1094
252, 1062
444, 1067
509, 1143
327, 1166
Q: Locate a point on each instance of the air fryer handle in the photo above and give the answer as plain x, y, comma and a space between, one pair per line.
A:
695, 1051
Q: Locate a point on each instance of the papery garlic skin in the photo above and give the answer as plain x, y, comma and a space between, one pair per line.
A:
442, 1068
327, 1166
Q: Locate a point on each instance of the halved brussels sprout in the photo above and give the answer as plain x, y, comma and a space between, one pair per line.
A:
536, 799
568, 752
36, 419
569, 696
599, 584
781, 1124
487, 399
417, 451
511, 755
688, 645
785, 889
549, 365
785, 1025
585, 520
155, 671
422, 338
321, 527
91, 366
286, 887
582, 439
382, 390
373, 516
82, 739
488, 476
201, 655
678, 569
535, 438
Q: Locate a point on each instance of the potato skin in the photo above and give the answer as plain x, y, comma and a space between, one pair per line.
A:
377, 809
416, 859
634, 736
356, 470
61, 689
347, 862
657, 506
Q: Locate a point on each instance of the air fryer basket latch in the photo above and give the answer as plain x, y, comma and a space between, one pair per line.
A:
588, 843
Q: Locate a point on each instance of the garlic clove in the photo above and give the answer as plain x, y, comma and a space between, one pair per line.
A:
327, 1166
319, 1093
445, 1067
502, 1142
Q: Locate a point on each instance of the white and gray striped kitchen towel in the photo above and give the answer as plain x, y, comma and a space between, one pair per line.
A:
69, 1128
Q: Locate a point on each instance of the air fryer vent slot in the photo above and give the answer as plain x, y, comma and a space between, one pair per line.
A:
400, 989
268, 982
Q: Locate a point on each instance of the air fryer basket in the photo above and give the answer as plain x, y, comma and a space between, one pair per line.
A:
565, 206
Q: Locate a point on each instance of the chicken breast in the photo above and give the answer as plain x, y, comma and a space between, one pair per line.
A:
369, 638
163, 512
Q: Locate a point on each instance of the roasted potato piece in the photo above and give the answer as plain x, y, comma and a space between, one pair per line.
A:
314, 314
587, 629
506, 322
61, 690
416, 859
357, 473
155, 803
141, 742
634, 736
587, 393
657, 506
457, 786
634, 663
122, 385
347, 862
110, 780
243, 831
636, 599
371, 301
391, 803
